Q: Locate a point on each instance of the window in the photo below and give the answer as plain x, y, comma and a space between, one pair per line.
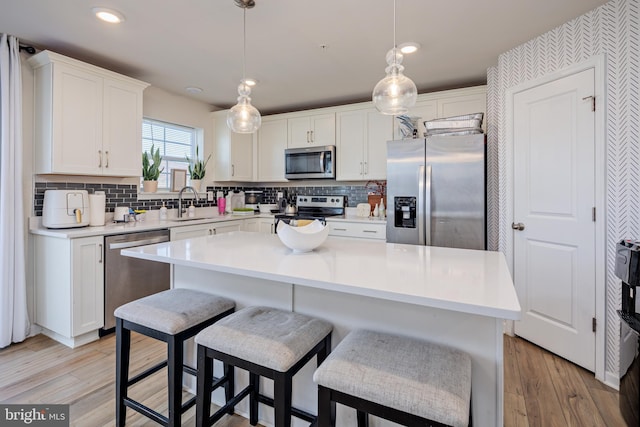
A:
174, 141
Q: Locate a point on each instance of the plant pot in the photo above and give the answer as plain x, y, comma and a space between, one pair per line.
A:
196, 184
149, 186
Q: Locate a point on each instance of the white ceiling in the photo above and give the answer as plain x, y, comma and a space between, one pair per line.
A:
175, 44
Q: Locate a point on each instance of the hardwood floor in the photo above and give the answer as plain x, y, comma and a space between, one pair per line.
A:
541, 389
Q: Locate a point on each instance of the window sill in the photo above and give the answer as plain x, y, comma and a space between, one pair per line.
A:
164, 195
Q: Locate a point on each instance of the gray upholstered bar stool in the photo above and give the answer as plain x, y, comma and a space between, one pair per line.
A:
266, 342
404, 380
171, 316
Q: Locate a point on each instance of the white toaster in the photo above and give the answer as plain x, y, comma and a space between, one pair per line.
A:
66, 208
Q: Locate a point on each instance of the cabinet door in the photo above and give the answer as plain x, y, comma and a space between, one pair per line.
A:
77, 121
424, 110
266, 225
319, 129
272, 141
323, 129
351, 139
464, 104
122, 128
226, 227
299, 129
379, 131
241, 157
251, 224
88, 285
190, 231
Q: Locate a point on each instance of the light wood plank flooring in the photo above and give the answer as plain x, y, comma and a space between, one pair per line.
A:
540, 389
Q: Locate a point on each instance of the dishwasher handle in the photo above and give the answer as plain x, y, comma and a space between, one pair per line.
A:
133, 244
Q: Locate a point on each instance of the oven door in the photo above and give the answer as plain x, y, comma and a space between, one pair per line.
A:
310, 163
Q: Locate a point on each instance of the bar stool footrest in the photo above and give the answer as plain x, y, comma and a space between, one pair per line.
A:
231, 404
298, 413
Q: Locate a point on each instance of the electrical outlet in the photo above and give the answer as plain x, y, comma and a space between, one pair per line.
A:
210, 196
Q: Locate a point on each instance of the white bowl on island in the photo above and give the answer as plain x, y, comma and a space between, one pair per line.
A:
305, 238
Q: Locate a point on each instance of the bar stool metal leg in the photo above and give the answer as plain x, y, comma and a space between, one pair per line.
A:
174, 371
204, 387
254, 384
123, 347
282, 399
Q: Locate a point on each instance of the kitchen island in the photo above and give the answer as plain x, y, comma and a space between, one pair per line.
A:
452, 296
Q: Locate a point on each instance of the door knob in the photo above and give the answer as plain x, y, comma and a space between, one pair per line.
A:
517, 226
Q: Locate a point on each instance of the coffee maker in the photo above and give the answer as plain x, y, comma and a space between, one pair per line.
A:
627, 268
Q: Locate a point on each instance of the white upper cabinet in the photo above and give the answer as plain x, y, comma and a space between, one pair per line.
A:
272, 141
312, 130
361, 147
234, 151
88, 120
447, 103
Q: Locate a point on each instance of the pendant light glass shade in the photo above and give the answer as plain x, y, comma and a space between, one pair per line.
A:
395, 93
244, 117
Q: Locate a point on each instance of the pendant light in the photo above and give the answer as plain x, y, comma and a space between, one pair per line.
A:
244, 117
395, 93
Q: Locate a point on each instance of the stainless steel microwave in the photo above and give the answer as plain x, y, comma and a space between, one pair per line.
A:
310, 162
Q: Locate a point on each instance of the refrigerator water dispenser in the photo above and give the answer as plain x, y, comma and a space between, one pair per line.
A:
404, 212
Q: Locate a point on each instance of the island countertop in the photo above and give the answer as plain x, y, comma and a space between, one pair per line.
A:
468, 281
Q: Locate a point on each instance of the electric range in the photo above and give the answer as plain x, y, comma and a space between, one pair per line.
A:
314, 207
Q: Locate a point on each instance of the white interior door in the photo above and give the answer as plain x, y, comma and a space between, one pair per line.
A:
554, 198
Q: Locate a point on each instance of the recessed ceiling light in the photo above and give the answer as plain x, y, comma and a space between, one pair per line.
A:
250, 81
108, 15
409, 47
193, 89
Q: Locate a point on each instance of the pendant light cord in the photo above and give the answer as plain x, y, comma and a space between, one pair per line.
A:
244, 42
394, 24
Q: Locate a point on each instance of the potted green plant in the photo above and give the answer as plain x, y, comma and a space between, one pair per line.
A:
151, 170
197, 169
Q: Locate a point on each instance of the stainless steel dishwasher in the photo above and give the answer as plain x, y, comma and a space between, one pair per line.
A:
127, 279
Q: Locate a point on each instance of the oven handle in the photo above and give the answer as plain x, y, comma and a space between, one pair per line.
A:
135, 243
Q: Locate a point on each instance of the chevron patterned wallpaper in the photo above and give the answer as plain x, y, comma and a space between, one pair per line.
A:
612, 29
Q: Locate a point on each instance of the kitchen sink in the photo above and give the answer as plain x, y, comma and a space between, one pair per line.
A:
194, 218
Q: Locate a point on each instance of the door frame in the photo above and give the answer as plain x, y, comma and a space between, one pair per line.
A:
598, 63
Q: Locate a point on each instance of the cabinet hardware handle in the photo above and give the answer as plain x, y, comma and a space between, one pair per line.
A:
311, 136
233, 170
308, 137
107, 153
271, 228
100, 253
361, 170
339, 229
366, 168
369, 231
517, 226
210, 232
214, 231
100, 158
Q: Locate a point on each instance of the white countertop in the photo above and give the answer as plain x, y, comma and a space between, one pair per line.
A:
152, 222
469, 281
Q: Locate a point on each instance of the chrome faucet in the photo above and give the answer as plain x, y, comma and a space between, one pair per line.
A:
180, 198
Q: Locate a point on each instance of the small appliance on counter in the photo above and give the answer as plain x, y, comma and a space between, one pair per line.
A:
66, 209
627, 269
252, 199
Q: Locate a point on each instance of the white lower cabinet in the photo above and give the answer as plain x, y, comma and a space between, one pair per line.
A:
266, 225
358, 229
69, 288
209, 229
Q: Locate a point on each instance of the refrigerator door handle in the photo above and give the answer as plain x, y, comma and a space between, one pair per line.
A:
427, 206
422, 218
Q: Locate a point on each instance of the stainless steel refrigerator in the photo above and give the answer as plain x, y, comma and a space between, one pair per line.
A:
436, 191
